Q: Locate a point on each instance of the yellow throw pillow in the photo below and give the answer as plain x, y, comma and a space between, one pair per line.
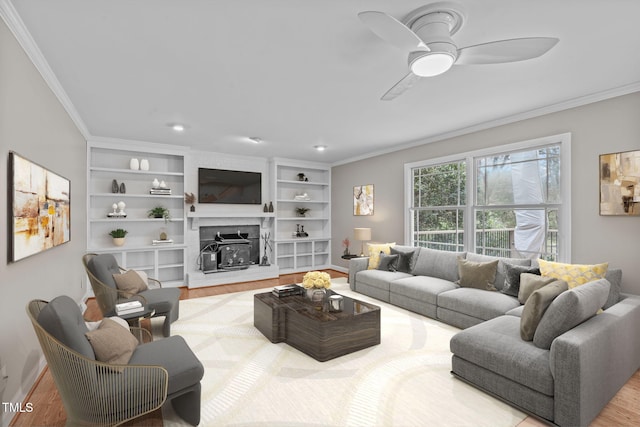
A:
574, 274
374, 250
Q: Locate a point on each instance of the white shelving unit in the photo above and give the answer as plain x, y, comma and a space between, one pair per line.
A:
294, 254
107, 162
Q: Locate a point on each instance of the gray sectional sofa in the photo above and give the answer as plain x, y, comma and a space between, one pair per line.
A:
577, 360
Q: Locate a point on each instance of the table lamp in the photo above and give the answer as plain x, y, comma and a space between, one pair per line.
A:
362, 234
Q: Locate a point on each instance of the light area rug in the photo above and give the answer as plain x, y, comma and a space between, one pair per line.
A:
403, 381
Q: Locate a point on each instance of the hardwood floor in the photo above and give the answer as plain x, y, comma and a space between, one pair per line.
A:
622, 411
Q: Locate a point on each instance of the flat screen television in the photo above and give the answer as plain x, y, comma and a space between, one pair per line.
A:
227, 186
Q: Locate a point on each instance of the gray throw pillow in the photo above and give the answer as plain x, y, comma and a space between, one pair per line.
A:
569, 310
479, 275
536, 305
512, 278
529, 283
406, 258
387, 262
498, 283
614, 276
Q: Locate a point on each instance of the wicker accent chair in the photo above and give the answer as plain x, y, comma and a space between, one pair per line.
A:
101, 268
96, 393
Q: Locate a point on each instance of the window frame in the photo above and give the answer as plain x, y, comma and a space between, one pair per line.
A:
564, 208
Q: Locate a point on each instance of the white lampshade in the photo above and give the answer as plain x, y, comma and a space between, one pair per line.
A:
362, 234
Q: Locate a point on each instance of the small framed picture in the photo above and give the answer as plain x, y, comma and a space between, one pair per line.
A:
363, 199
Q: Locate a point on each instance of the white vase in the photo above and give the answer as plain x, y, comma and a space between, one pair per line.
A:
134, 164
155, 183
144, 165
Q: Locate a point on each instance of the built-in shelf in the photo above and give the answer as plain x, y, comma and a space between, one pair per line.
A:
297, 254
110, 161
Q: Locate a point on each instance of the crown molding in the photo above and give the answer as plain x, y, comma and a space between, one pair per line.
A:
28, 44
554, 108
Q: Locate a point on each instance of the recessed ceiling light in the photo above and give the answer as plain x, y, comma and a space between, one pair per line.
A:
177, 127
320, 147
255, 139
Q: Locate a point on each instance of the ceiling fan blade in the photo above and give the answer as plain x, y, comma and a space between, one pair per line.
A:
406, 83
502, 51
393, 31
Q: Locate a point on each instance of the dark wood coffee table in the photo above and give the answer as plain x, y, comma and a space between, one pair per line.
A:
320, 334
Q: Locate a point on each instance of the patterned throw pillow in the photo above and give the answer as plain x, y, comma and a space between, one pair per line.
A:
374, 253
512, 278
573, 274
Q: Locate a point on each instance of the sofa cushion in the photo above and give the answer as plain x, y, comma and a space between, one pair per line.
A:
573, 274
478, 275
512, 277
422, 288
378, 278
436, 263
112, 343
477, 303
62, 318
501, 272
104, 266
175, 355
374, 249
530, 283
408, 256
536, 305
516, 311
614, 276
388, 262
569, 310
496, 346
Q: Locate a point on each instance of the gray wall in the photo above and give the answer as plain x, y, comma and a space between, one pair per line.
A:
601, 127
34, 124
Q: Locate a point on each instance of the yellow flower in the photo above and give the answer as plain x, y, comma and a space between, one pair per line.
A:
316, 279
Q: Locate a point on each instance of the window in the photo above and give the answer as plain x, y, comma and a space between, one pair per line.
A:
515, 208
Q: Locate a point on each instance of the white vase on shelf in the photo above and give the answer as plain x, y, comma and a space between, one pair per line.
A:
134, 164
144, 165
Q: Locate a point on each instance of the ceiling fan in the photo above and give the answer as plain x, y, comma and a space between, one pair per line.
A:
425, 35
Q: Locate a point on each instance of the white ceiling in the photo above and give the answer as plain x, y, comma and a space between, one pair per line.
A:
299, 73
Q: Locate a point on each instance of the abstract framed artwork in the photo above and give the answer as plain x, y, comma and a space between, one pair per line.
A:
363, 199
39, 208
620, 183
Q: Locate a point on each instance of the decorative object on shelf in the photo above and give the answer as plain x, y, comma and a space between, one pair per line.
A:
190, 199
163, 234
620, 183
134, 164
163, 184
300, 231
364, 235
155, 183
114, 186
270, 206
123, 188
115, 213
302, 212
316, 283
346, 243
302, 177
118, 236
144, 165
304, 197
159, 212
159, 188
267, 246
266, 208
363, 199
39, 208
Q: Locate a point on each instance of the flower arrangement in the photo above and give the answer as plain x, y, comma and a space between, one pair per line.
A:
317, 280
346, 244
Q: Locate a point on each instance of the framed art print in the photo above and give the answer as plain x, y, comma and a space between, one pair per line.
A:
39, 208
363, 199
620, 183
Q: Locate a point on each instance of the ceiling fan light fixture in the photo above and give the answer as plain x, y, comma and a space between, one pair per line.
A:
432, 64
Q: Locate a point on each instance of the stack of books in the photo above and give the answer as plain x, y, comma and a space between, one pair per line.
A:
288, 290
162, 242
162, 191
129, 307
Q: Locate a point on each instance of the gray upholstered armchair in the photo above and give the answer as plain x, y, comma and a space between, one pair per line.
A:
96, 393
101, 268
